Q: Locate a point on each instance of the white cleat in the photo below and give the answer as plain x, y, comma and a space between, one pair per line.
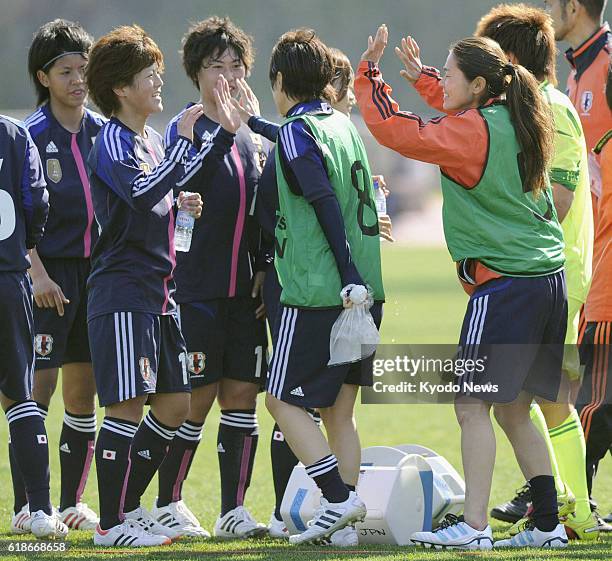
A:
346, 537
48, 526
128, 534
331, 517
532, 537
180, 519
79, 517
238, 524
277, 529
454, 533
142, 516
20, 522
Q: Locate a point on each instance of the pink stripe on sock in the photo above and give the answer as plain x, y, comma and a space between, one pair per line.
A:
178, 485
85, 474
125, 484
78, 159
244, 470
239, 221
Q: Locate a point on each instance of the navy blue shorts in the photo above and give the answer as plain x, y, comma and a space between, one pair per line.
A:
16, 335
63, 340
135, 354
515, 327
298, 372
224, 340
271, 295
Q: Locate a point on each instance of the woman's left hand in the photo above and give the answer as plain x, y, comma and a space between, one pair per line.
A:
191, 203
257, 291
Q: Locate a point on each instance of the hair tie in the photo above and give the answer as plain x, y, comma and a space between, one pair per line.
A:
509, 69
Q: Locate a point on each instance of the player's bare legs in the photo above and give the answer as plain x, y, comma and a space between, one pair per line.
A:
302, 433
528, 444
78, 388
478, 457
342, 433
44, 385
202, 399
236, 394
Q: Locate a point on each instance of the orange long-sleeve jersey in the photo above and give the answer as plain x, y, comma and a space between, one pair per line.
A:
457, 143
586, 84
599, 302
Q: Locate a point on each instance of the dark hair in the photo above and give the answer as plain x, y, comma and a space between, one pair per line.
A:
53, 39
212, 37
527, 33
594, 8
114, 61
343, 73
530, 114
306, 65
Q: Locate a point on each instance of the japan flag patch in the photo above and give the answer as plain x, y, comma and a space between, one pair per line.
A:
109, 454
42, 438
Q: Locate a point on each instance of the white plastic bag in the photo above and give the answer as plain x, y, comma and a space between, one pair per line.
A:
354, 335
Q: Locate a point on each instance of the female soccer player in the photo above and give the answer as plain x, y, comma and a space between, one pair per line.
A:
502, 230
283, 459
218, 289
63, 130
131, 305
326, 238
23, 212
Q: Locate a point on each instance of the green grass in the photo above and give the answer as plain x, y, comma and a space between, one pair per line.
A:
424, 304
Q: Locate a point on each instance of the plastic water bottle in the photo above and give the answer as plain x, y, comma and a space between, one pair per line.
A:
379, 199
183, 230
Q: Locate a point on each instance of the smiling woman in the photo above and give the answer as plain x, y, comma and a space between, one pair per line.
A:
131, 288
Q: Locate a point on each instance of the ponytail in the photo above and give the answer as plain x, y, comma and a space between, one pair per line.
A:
533, 124
529, 113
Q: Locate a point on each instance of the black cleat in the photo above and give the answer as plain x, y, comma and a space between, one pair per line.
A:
602, 523
515, 508
608, 519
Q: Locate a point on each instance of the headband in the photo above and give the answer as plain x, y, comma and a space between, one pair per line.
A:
50, 62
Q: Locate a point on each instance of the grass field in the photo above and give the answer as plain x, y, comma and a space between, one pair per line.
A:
424, 304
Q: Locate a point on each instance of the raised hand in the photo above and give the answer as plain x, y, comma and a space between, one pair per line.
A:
410, 54
247, 103
188, 119
376, 46
229, 116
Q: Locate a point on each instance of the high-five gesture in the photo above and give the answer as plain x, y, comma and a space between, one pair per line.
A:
229, 117
376, 46
409, 54
247, 103
188, 119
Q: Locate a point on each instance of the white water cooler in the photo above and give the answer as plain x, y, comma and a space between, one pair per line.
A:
406, 489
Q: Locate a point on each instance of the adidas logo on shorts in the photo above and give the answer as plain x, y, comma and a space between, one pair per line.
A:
145, 454
52, 148
220, 447
297, 391
65, 448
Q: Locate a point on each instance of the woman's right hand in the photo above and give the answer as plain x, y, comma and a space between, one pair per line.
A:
48, 294
247, 103
376, 46
188, 119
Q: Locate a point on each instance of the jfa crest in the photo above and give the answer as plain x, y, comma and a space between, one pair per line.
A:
43, 344
145, 367
54, 170
587, 101
197, 362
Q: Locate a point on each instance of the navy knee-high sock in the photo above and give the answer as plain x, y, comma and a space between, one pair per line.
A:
31, 451
148, 451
